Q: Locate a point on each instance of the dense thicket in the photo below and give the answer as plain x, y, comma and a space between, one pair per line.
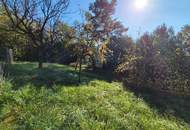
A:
159, 60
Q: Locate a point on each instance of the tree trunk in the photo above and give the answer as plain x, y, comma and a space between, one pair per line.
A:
9, 56
93, 63
3, 70
40, 64
40, 59
76, 66
80, 68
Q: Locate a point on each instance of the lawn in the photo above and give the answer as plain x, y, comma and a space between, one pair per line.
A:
51, 99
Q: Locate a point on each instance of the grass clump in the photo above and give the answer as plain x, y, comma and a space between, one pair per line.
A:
97, 105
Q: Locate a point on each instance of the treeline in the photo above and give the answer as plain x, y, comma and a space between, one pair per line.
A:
35, 31
158, 60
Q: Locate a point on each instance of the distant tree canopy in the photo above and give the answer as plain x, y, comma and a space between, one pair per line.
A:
158, 60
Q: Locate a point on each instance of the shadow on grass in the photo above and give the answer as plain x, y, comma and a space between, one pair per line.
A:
103, 74
165, 103
52, 74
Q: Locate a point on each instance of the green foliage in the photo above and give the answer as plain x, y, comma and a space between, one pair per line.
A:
117, 49
9, 38
50, 98
98, 105
100, 27
24, 73
92, 105
184, 37
158, 61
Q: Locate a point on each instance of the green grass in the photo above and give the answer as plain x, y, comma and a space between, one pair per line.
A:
93, 105
52, 74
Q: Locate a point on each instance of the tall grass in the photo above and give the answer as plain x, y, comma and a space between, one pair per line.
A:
96, 106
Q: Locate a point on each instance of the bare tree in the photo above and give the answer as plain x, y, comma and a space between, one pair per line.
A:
37, 19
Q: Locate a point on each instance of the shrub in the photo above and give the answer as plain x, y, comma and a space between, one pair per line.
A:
153, 72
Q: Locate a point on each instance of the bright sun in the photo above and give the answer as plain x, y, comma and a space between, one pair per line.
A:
141, 4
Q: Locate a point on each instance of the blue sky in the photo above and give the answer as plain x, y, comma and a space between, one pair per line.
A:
175, 13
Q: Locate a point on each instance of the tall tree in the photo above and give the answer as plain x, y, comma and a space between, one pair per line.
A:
36, 19
184, 37
164, 40
102, 25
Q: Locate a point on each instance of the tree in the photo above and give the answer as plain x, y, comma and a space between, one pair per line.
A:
118, 47
164, 40
183, 51
36, 19
62, 49
184, 38
158, 61
83, 46
93, 34
9, 40
101, 25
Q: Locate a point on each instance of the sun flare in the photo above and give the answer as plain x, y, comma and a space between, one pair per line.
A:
141, 4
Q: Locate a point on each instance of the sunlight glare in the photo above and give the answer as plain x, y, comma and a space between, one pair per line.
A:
141, 4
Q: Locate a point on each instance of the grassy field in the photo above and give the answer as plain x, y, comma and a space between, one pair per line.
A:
50, 99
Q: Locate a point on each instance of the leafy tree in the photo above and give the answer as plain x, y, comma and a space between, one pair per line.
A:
165, 40
83, 46
93, 34
62, 52
102, 25
9, 40
183, 51
37, 19
158, 61
184, 38
118, 47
